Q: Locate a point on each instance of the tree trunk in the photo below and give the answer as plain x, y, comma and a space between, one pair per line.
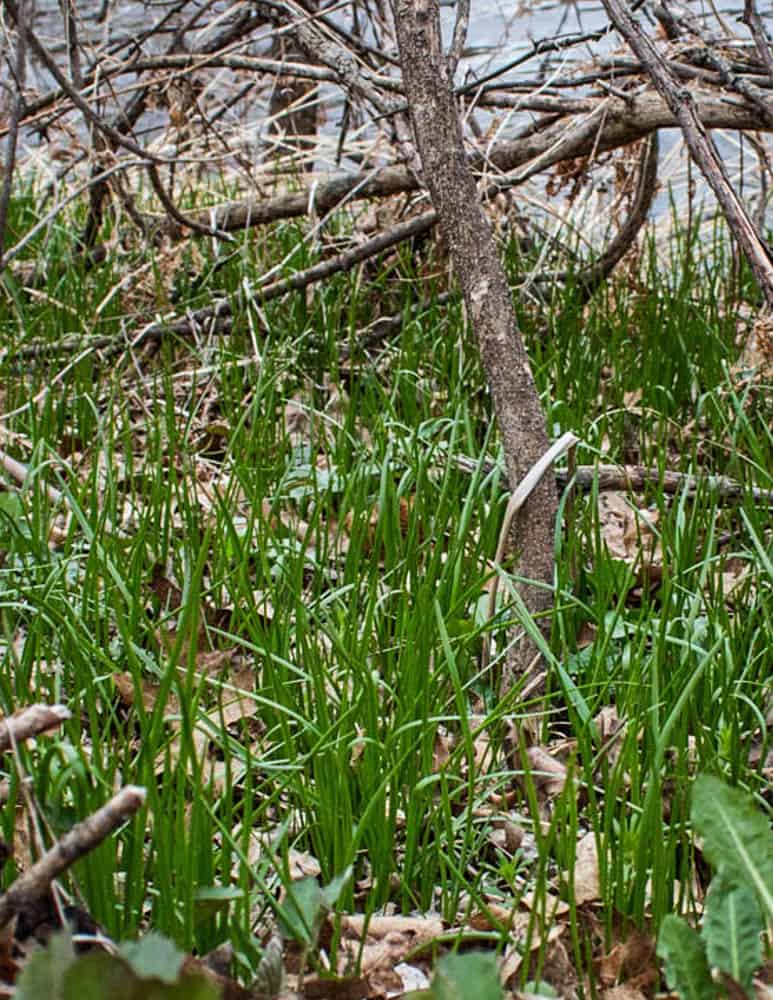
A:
487, 296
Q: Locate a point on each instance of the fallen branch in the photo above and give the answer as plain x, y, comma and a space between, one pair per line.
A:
622, 123
29, 722
82, 838
638, 477
20, 473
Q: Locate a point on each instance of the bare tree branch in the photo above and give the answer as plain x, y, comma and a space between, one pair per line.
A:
592, 277
703, 151
42, 53
460, 36
761, 38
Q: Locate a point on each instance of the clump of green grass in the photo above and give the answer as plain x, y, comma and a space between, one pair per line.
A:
357, 640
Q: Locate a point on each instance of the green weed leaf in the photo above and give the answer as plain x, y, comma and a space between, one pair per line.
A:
331, 893
737, 837
732, 929
43, 972
687, 968
153, 957
213, 899
305, 905
152, 971
100, 976
459, 977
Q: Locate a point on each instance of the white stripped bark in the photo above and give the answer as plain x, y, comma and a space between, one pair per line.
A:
487, 296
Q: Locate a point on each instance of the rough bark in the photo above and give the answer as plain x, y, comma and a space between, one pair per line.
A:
487, 296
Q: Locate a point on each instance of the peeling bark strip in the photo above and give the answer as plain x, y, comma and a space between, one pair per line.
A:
487, 297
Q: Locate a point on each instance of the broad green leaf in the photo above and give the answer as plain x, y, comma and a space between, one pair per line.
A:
212, 899
737, 837
99, 976
687, 968
332, 891
301, 911
44, 970
153, 957
305, 905
473, 976
732, 929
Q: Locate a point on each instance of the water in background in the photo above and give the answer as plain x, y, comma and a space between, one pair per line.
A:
499, 32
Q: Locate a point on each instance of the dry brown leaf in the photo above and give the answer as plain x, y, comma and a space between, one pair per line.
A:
612, 730
587, 635
558, 970
389, 940
586, 871
506, 836
441, 751
623, 992
358, 746
302, 865
298, 420
387, 982
548, 903
513, 957
633, 960
336, 988
629, 532
515, 919
548, 774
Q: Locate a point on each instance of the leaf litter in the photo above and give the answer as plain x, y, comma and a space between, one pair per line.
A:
392, 953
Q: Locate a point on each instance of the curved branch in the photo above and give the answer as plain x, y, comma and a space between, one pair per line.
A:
174, 212
592, 277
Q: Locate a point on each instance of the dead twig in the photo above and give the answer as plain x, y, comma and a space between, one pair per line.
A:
82, 838
29, 722
591, 278
760, 35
